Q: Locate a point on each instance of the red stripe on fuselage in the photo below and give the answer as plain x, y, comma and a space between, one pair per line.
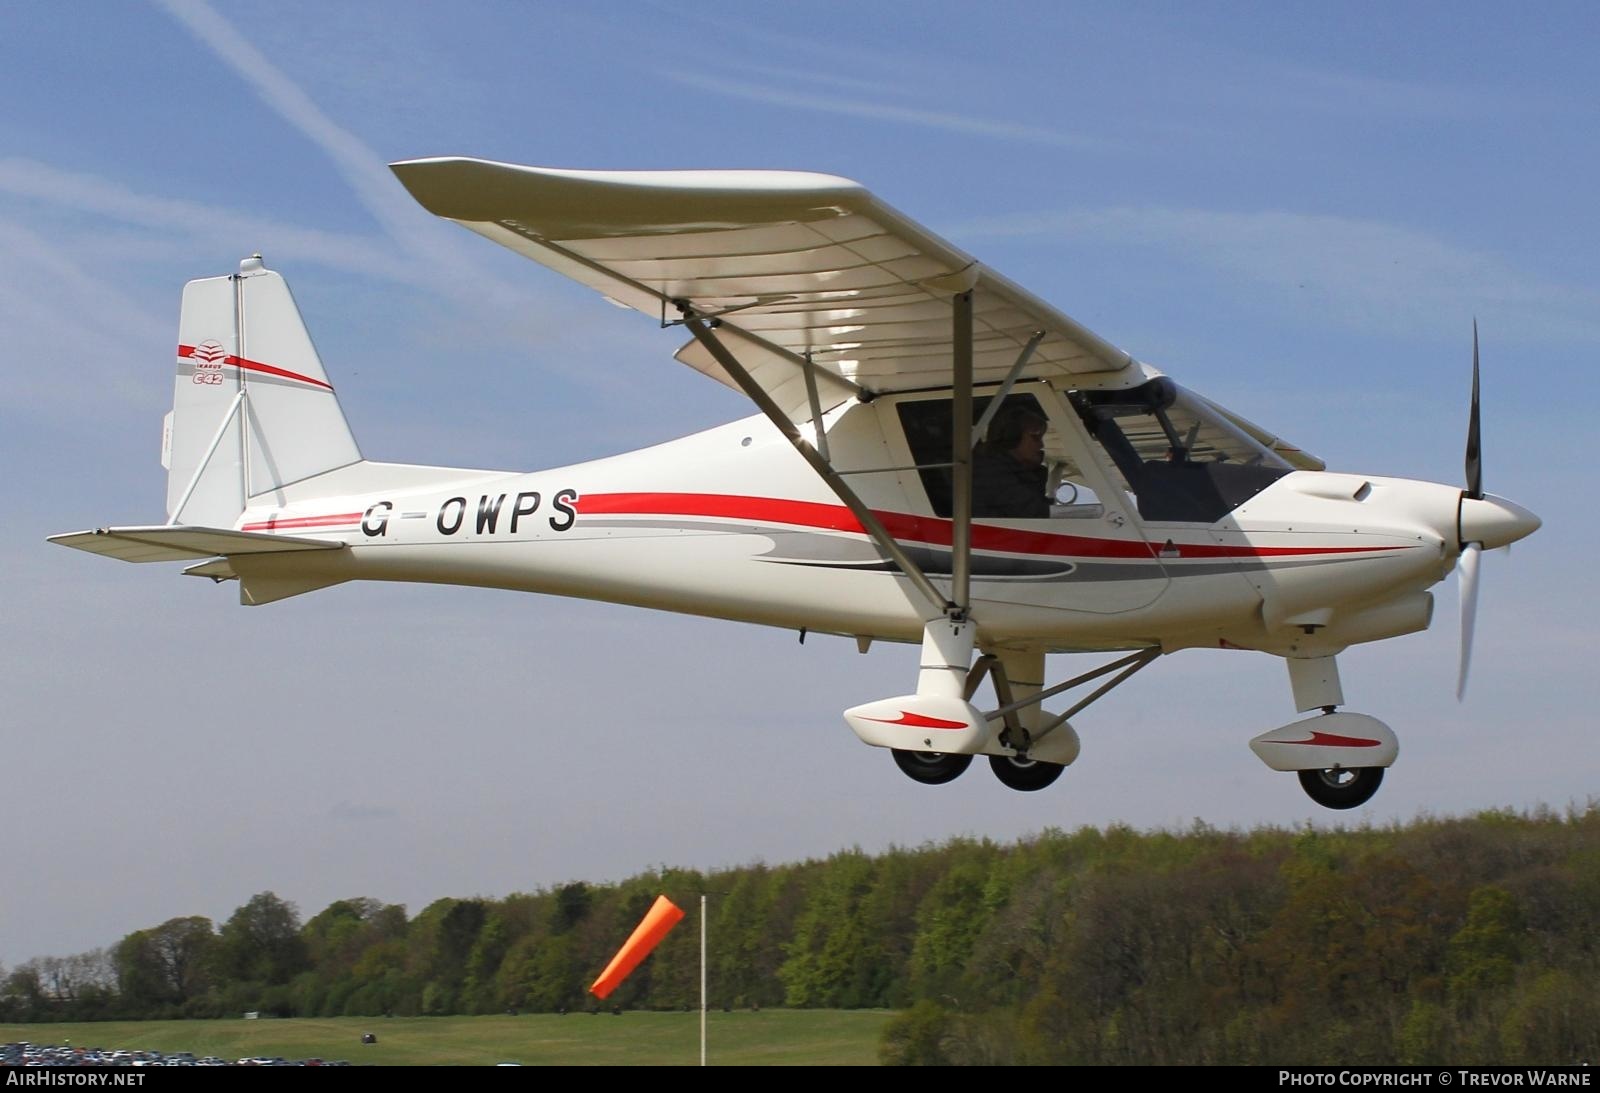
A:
280, 523
256, 366
920, 529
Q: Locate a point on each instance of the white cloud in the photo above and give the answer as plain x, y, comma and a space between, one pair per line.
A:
99, 197
68, 328
1359, 273
879, 111
1303, 88
361, 167
815, 76
350, 811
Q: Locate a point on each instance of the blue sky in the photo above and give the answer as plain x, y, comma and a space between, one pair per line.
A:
1296, 209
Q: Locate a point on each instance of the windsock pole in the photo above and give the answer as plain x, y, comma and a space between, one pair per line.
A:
704, 1005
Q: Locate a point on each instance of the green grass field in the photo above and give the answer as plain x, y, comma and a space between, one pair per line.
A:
767, 1038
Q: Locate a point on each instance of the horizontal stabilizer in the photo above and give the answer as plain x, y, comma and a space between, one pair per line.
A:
175, 544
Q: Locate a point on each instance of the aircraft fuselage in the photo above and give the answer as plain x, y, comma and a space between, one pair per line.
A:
731, 523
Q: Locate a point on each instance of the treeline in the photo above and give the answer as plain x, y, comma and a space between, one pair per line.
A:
1438, 941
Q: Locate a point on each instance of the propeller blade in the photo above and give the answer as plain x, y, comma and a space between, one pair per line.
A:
1470, 556
1474, 452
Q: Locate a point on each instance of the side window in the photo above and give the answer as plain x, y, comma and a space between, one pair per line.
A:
1018, 468
1071, 496
927, 426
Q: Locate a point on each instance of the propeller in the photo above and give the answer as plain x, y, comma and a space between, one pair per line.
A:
1483, 522
1474, 449
1471, 553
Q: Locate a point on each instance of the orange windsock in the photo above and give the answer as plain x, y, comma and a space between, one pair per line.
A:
657, 923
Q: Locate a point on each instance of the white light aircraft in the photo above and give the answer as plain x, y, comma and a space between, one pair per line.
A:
940, 457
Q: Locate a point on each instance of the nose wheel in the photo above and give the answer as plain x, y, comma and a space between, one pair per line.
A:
1341, 787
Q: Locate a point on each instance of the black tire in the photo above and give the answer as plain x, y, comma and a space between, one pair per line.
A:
1026, 775
931, 768
1348, 787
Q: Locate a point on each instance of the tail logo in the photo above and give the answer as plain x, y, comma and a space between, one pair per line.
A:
208, 358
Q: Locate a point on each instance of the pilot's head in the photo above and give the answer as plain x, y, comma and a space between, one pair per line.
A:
1019, 432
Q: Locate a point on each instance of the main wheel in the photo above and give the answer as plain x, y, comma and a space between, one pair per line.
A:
1027, 775
931, 768
1342, 787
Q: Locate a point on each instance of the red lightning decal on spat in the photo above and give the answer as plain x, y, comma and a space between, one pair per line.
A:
919, 721
1328, 739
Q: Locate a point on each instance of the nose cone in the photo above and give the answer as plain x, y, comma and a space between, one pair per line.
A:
1494, 521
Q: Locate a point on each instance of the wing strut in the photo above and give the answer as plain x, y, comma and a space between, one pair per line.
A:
1009, 382
816, 407
961, 457
1129, 664
700, 327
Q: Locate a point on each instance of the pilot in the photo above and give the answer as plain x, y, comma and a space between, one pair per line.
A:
1008, 472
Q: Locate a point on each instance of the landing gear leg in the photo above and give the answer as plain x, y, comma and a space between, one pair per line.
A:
1020, 678
946, 656
1339, 757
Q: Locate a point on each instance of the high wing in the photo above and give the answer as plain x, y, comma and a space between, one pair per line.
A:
793, 265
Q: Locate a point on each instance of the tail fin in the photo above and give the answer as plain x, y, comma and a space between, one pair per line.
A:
252, 409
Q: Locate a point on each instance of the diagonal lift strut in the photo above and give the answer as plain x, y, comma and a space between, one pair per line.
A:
1125, 667
957, 606
701, 328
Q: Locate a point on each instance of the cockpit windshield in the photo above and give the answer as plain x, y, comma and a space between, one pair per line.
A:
1177, 456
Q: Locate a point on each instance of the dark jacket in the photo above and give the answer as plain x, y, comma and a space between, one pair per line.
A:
1003, 487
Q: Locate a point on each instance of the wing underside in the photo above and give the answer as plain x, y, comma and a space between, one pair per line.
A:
794, 264
794, 267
